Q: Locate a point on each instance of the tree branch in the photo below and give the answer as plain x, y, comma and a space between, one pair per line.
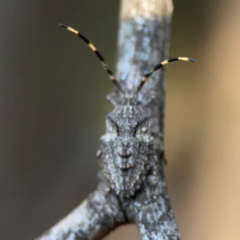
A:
143, 42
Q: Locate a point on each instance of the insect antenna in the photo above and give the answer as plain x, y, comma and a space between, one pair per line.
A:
98, 54
160, 65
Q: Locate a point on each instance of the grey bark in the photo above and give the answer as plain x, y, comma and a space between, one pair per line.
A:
143, 42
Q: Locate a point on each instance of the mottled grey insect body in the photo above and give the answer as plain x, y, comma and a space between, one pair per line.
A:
126, 146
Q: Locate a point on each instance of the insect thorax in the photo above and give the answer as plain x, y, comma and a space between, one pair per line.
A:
126, 147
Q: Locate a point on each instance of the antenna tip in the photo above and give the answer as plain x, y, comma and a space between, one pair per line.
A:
192, 60
62, 25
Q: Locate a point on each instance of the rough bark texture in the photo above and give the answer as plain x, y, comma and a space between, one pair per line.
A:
143, 42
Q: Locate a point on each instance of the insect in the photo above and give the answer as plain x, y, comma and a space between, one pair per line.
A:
127, 155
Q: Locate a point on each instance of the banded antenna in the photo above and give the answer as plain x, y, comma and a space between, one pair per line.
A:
160, 65
98, 54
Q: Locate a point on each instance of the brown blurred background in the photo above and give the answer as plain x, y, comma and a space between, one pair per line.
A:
52, 101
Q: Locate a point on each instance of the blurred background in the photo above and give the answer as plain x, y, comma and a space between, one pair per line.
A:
52, 103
